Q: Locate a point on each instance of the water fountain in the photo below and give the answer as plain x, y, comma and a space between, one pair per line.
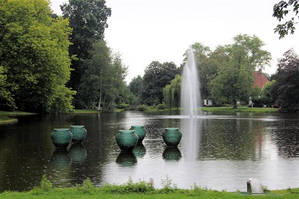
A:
190, 102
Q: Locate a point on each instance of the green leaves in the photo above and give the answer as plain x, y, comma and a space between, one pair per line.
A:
287, 14
34, 52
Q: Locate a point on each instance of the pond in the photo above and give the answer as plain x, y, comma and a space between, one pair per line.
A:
232, 148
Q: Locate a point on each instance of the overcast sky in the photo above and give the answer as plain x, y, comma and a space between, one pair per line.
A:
146, 30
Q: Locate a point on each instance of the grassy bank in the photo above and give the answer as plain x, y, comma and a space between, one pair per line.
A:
7, 117
154, 109
239, 109
140, 190
86, 111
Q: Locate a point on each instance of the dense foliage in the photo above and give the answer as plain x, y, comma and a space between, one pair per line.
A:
172, 92
102, 85
156, 77
88, 20
286, 88
234, 80
34, 59
136, 87
287, 14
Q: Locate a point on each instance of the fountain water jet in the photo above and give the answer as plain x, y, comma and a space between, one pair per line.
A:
190, 102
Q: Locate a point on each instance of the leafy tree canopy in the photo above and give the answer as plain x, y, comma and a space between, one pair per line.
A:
88, 19
286, 87
156, 77
235, 77
287, 14
34, 56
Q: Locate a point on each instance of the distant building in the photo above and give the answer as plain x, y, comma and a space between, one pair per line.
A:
259, 79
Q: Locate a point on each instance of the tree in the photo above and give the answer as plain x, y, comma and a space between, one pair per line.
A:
172, 92
235, 77
287, 13
6, 99
136, 87
156, 77
88, 20
102, 84
206, 68
286, 88
34, 55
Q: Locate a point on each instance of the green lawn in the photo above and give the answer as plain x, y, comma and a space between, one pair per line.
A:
102, 193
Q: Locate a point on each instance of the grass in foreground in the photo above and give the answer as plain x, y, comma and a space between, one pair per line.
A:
138, 190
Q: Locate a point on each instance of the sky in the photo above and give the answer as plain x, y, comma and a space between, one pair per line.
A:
142, 31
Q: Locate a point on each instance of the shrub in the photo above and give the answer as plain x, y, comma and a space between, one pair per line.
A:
142, 107
87, 186
45, 184
161, 106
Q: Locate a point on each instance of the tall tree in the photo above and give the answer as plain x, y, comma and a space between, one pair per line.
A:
88, 19
136, 87
34, 55
286, 87
235, 77
102, 84
287, 14
156, 77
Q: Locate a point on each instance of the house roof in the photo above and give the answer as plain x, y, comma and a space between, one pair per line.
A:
259, 79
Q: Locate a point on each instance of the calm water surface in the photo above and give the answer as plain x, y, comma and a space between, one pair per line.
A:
232, 149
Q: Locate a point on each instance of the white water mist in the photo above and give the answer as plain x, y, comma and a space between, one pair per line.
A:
190, 102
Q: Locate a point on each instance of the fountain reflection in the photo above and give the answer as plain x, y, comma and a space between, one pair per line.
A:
191, 128
78, 153
139, 151
172, 153
126, 159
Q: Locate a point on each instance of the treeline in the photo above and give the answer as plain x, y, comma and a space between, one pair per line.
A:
226, 77
51, 63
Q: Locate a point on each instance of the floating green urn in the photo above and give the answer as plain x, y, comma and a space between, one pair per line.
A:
140, 132
172, 136
172, 153
61, 137
79, 133
126, 139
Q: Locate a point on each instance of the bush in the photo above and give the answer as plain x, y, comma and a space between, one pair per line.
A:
161, 106
130, 187
142, 107
123, 106
87, 186
45, 184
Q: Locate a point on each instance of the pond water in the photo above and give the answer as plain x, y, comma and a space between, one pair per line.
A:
232, 148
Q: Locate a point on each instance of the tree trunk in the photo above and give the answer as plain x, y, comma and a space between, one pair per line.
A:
235, 104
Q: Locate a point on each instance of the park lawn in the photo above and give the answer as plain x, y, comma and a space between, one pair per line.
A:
7, 117
100, 193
